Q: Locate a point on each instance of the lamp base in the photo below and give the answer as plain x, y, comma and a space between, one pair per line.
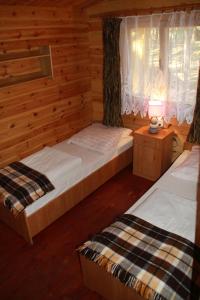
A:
154, 125
153, 129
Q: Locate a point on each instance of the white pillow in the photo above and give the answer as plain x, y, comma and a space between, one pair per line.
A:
189, 168
120, 131
100, 138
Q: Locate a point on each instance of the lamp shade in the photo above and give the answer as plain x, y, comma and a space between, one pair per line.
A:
155, 109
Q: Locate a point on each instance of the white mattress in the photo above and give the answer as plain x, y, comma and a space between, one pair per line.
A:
52, 162
170, 204
180, 187
91, 161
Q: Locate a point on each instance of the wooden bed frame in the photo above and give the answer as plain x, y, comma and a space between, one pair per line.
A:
99, 280
102, 282
29, 226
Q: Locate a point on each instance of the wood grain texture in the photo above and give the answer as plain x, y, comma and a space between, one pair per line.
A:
43, 111
96, 66
29, 226
106, 285
56, 208
127, 7
18, 224
50, 269
152, 152
97, 279
82, 4
19, 67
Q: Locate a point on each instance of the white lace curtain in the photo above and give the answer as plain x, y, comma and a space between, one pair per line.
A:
160, 56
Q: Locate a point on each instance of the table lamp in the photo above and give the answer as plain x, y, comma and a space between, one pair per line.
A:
155, 113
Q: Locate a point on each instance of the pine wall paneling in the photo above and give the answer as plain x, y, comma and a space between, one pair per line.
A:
96, 53
78, 4
44, 111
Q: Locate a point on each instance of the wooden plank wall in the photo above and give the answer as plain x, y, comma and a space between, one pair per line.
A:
44, 111
108, 7
96, 52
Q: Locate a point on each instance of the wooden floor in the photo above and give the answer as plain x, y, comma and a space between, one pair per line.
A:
50, 268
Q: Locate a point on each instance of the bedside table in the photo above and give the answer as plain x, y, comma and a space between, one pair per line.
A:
152, 152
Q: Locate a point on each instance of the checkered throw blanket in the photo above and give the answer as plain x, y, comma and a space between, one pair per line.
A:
21, 185
156, 263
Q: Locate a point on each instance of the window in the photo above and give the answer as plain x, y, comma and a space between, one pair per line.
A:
160, 61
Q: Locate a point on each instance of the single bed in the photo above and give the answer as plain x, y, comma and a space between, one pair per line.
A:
169, 204
73, 182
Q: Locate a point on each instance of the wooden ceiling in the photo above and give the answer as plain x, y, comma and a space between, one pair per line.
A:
58, 3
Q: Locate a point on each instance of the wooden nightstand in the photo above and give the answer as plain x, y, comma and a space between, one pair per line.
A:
152, 152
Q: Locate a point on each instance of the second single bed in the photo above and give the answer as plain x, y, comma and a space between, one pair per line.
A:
169, 205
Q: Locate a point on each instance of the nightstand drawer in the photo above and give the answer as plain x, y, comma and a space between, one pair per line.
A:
145, 141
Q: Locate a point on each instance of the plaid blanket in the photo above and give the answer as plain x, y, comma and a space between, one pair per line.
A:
156, 263
21, 185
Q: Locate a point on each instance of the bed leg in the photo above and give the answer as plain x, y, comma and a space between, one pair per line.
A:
19, 224
26, 232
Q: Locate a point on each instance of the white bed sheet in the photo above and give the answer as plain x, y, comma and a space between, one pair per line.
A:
169, 211
91, 161
170, 203
52, 162
178, 186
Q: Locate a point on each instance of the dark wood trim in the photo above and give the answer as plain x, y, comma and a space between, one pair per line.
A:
145, 11
87, 4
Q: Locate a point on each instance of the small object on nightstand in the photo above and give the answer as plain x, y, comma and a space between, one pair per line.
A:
155, 112
152, 152
153, 126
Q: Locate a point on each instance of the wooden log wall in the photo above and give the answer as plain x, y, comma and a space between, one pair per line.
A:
47, 110
125, 7
96, 52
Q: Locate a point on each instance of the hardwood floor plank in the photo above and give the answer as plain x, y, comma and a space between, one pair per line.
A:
50, 268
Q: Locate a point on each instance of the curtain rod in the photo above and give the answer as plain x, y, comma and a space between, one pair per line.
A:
151, 10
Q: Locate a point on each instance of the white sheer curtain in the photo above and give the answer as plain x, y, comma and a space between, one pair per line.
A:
160, 61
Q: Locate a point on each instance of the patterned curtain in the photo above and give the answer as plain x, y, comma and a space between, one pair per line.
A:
153, 51
194, 133
111, 73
